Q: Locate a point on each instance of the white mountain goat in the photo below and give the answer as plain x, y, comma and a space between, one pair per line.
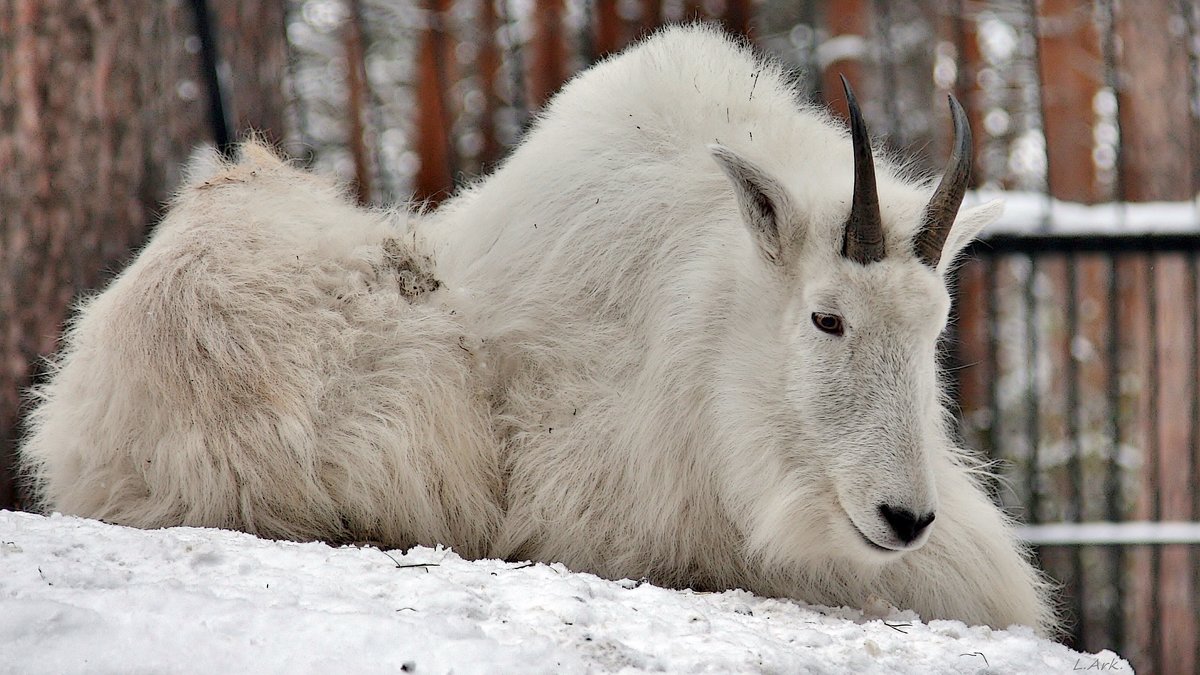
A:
686, 332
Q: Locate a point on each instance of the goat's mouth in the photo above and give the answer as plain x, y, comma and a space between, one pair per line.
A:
871, 544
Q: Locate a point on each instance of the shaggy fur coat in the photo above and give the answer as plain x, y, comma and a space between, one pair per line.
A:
582, 358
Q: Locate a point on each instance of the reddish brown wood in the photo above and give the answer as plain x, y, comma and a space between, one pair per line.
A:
738, 17
1157, 164
434, 179
1071, 74
548, 64
1093, 312
608, 34
974, 375
966, 85
974, 330
693, 10
1155, 124
1135, 411
1174, 337
252, 40
845, 18
651, 16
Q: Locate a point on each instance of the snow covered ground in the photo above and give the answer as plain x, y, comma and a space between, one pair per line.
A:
81, 596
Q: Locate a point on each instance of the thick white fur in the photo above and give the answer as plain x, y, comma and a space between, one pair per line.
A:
617, 374
260, 367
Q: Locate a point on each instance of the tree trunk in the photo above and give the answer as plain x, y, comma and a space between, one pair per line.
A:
252, 40
608, 35
99, 104
738, 17
435, 177
548, 64
1072, 71
975, 372
847, 20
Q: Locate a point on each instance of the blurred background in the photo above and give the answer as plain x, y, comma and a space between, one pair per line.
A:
1073, 354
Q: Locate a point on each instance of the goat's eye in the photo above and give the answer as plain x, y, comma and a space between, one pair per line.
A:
829, 323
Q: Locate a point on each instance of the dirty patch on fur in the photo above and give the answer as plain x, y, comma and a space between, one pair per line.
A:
412, 270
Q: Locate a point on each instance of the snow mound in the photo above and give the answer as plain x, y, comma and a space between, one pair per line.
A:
81, 596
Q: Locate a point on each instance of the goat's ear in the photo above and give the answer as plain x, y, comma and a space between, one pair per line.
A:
763, 202
966, 227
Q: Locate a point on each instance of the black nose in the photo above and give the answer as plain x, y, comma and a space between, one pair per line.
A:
906, 524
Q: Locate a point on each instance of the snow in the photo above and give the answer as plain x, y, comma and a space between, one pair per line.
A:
81, 596
1105, 533
1032, 213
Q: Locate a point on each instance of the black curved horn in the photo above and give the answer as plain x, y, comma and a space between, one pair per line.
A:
943, 207
863, 241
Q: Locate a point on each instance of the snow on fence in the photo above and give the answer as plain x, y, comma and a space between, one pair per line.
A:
1039, 215
1111, 534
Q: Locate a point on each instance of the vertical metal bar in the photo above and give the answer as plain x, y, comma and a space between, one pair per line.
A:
208, 66
1113, 492
993, 356
1154, 468
1032, 400
1074, 465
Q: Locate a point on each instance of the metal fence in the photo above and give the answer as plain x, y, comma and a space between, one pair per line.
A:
1076, 368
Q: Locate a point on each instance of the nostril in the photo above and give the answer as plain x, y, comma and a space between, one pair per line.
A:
906, 524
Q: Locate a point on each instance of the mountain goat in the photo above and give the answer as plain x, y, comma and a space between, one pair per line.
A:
686, 332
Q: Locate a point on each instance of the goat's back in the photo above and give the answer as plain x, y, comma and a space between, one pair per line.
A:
268, 364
